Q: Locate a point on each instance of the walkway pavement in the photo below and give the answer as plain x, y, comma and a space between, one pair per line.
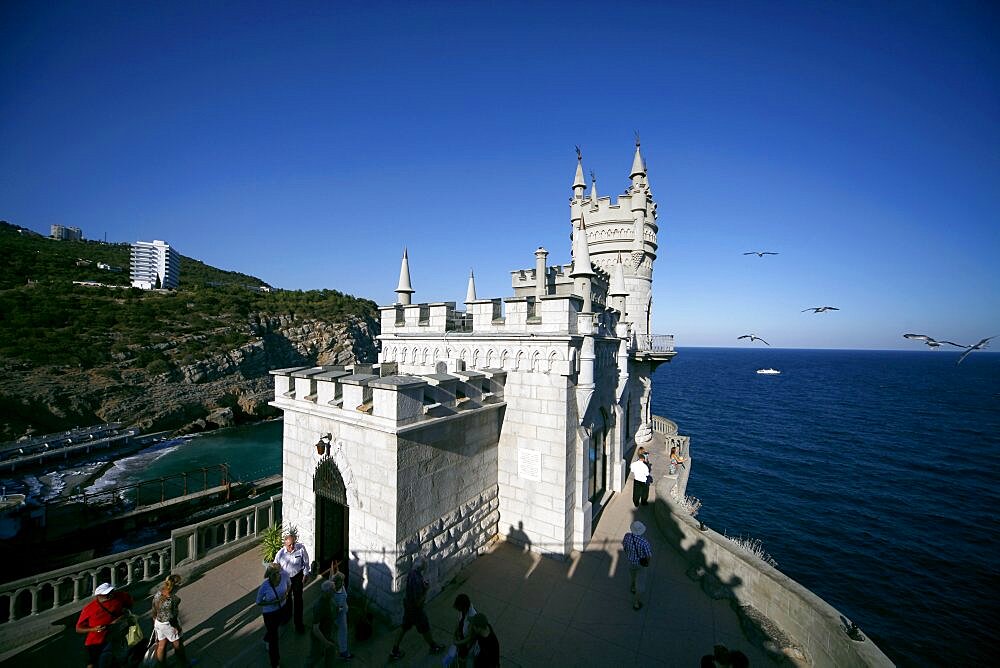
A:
545, 612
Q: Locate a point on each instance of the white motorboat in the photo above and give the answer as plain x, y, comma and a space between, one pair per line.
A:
768, 372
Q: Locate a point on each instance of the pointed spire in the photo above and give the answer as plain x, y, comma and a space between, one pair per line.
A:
404, 290
593, 189
579, 185
581, 253
470, 292
638, 164
617, 287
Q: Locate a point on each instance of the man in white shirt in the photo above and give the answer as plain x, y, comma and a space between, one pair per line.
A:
294, 561
640, 479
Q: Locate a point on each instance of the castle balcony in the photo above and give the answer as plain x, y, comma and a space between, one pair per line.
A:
654, 348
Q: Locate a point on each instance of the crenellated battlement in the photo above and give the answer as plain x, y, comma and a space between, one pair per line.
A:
519, 315
385, 399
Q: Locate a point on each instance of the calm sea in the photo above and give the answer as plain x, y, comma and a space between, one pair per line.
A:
870, 476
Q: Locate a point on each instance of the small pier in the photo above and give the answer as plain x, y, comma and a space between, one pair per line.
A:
72, 444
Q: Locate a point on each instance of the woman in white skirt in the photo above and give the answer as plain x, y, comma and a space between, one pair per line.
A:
166, 626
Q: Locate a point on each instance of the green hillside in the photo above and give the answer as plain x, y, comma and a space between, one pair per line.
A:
47, 320
25, 255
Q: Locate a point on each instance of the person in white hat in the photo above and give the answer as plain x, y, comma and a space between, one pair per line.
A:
638, 552
97, 618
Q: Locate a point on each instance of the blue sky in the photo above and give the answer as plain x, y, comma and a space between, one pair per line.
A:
309, 144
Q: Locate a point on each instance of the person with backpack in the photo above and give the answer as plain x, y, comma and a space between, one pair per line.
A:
638, 552
98, 618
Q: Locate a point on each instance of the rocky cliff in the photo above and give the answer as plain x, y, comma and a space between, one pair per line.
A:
192, 392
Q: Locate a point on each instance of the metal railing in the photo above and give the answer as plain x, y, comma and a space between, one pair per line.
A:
186, 547
655, 343
153, 491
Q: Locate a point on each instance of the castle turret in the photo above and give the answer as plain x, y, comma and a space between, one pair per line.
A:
593, 190
540, 271
617, 290
470, 292
583, 270
579, 185
638, 167
627, 228
404, 290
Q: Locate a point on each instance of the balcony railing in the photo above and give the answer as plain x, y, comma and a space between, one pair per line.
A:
655, 343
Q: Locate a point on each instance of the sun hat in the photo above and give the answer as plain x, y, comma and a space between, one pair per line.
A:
103, 589
638, 528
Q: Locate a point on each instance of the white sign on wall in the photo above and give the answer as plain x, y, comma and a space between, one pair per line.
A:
529, 464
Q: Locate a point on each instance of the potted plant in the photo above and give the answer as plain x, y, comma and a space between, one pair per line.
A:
270, 543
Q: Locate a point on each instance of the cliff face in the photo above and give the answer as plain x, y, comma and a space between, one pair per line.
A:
194, 394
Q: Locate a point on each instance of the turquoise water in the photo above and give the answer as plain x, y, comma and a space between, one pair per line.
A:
252, 452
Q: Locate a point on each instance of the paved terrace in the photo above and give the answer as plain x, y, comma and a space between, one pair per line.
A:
545, 612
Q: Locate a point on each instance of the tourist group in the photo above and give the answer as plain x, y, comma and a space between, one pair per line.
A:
114, 636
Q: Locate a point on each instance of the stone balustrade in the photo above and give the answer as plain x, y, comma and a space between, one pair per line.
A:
194, 545
662, 425
189, 550
38, 594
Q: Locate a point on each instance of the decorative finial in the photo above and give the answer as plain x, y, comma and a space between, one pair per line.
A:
637, 138
579, 154
592, 177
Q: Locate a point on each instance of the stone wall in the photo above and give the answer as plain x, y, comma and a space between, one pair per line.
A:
366, 460
449, 543
428, 488
533, 511
818, 635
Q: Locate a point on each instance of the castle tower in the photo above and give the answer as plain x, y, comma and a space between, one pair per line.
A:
627, 227
516, 418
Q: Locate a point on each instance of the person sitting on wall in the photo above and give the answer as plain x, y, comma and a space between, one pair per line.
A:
97, 619
640, 479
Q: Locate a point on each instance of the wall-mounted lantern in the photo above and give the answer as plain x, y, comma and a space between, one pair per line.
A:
323, 444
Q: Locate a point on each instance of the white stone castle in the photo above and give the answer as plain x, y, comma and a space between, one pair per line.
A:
513, 419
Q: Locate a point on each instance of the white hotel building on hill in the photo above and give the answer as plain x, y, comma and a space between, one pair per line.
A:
155, 264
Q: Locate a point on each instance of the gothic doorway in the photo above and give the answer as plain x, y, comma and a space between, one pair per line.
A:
331, 517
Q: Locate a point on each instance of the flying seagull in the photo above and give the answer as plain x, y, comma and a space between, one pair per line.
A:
759, 253
933, 343
820, 309
978, 346
753, 337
